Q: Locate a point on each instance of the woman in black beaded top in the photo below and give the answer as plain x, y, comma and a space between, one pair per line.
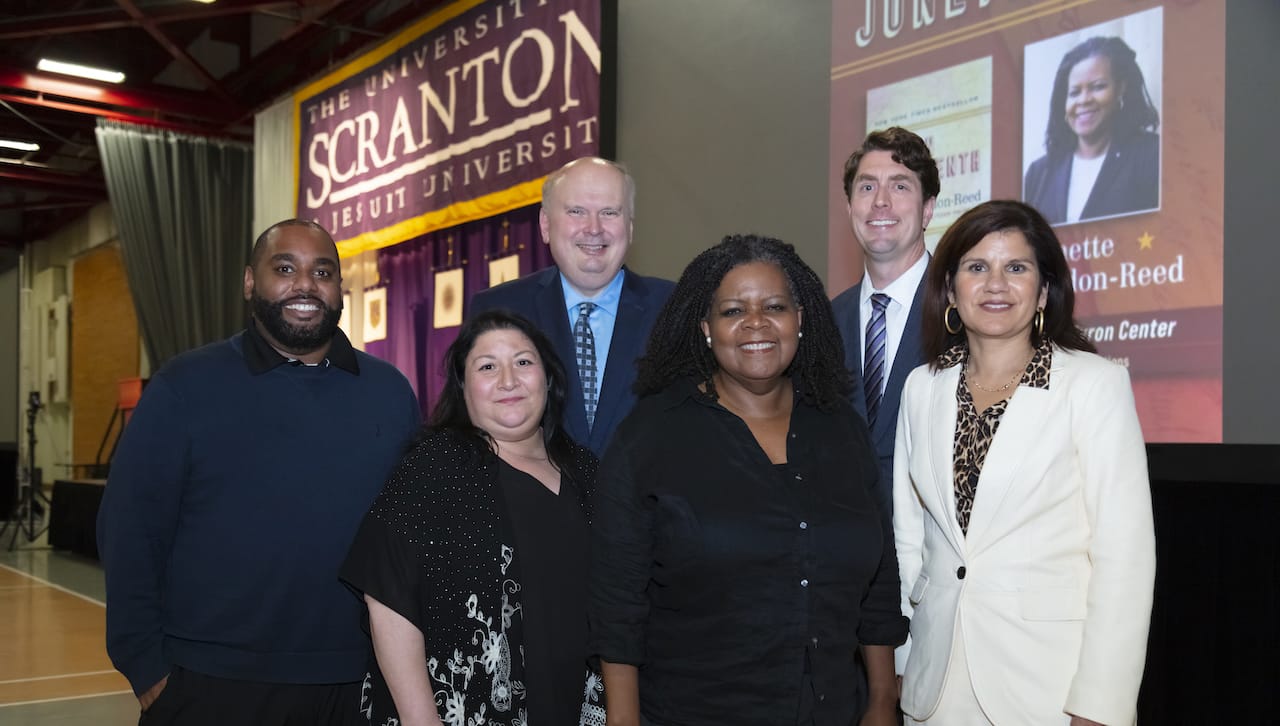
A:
473, 560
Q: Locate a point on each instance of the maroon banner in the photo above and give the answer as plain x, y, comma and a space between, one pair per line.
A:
457, 118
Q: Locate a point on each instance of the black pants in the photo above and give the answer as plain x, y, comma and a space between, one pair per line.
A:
194, 699
804, 715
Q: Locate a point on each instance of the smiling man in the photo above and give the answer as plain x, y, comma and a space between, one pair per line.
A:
596, 312
891, 184
234, 494
293, 286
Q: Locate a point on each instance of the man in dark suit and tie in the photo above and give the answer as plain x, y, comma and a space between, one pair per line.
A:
596, 312
891, 183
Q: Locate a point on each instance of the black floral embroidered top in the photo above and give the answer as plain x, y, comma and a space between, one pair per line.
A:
439, 548
974, 430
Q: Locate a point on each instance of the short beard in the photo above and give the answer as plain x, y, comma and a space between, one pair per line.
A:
298, 339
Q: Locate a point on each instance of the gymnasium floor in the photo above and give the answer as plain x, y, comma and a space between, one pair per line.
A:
53, 666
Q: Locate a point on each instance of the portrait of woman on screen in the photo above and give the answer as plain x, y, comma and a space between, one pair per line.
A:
1102, 152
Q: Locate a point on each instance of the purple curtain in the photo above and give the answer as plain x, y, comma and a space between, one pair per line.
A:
407, 270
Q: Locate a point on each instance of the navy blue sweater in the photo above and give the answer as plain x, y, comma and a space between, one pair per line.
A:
235, 492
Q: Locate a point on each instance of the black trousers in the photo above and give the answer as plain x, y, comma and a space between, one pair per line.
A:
804, 715
194, 699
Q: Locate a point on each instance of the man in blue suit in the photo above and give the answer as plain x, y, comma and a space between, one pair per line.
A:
597, 313
891, 183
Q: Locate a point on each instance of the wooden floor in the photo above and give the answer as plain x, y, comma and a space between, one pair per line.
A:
51, 642
53, 662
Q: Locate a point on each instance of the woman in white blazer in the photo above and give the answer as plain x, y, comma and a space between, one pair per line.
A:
1022, 508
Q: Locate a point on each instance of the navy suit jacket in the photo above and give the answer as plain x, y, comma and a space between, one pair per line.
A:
1129, 181
540, 298
909, 356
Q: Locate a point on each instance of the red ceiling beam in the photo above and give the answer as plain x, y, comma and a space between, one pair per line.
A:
93, 20
137, 118
79, 186
47, 205
53, 92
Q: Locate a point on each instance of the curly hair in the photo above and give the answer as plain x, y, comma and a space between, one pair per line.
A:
907, 148
1136, 113
450, 413
677, 348
963, 235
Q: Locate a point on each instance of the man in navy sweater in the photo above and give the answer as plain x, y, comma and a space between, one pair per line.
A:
234, 494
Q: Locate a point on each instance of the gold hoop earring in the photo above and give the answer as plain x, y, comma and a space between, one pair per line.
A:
946, 320
1039, 322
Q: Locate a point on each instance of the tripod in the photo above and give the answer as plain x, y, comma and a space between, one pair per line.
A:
28, 515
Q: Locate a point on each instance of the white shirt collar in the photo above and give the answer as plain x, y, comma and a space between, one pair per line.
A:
901, 290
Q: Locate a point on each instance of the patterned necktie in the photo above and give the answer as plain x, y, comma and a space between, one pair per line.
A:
585, 342
873, 357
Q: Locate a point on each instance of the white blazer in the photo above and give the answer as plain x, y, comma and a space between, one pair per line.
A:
1052, 587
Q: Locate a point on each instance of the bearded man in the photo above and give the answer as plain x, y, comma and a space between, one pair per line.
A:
233, 496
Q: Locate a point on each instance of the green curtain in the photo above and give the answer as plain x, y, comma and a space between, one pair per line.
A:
183, 207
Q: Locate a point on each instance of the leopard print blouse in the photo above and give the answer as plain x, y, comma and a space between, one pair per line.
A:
974, 430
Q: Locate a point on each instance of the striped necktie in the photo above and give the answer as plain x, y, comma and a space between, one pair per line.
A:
585, 342
873, 357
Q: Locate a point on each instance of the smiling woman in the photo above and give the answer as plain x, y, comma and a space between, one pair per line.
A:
506, 393
1044, 510
753, 329
739, 557
473, 559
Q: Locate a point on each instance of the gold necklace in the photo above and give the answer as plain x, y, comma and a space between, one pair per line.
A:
1016, 377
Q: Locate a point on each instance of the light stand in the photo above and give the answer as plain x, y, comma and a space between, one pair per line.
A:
32, 504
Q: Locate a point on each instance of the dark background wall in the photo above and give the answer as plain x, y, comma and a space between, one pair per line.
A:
9, 316
9, 273
1215, 630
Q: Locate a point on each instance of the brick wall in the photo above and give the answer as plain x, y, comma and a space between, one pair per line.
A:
104, 346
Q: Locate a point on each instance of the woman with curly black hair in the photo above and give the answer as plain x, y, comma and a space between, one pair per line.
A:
1102, 153
739, 557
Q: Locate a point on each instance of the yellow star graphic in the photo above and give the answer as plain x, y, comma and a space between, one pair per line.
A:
1144, 242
